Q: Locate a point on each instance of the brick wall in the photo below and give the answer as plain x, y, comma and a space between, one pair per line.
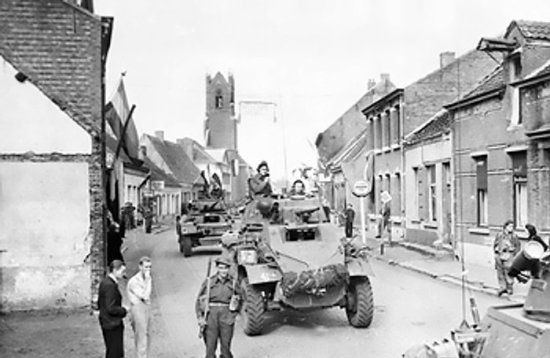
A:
426, 96
535, 113
351, 123
58, 47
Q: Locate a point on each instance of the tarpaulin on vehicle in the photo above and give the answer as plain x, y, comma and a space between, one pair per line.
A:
314, 282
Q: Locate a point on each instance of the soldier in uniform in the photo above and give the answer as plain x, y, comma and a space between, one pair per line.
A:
259, 184
223, 308
505, 246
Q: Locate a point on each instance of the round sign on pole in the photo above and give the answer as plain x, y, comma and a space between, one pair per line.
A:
361, 188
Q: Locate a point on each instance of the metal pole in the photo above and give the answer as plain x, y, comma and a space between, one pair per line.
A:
362, 209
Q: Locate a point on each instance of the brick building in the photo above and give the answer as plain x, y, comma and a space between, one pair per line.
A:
399, 113
334, 143
535, 115
430, 147
52, 58
498, 147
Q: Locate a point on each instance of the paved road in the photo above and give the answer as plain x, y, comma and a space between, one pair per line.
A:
409, 309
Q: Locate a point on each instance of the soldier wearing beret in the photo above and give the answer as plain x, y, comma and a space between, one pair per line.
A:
259, 183
224, 295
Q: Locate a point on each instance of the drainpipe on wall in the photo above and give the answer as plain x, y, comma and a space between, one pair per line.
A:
403, 177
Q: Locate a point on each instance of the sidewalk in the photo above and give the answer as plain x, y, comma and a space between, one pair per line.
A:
441, 265
76, 333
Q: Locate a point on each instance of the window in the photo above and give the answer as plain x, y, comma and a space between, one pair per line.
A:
378, 134
370, 129
514, 75
380, 183
447, 174
388, 127
397, 125
397, 196
219, 99
432, 195
415, 194
519, 176
481, 190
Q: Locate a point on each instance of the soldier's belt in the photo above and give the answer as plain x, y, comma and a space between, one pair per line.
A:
218, 304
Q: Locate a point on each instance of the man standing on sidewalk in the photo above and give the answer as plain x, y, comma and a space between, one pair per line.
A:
111, 311
139, 294
505, 247
384, 223
349, 214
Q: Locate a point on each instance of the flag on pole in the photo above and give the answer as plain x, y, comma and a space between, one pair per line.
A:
117, 112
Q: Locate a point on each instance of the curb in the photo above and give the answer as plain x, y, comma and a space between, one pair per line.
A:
444, 278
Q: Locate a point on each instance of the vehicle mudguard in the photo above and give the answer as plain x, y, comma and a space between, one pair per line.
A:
262, 273
359, 267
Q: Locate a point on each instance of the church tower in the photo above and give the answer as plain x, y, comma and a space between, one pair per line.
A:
220, 126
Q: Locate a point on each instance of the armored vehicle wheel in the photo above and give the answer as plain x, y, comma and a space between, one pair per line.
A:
253, 309
186, 247
360, 306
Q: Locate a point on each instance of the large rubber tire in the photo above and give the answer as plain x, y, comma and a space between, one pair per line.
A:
360, 305
253, 309
186, 246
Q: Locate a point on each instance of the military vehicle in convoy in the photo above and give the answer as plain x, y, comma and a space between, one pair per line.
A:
288, 255
206, 222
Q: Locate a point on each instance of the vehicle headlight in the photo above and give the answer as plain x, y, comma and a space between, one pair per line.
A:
248, 257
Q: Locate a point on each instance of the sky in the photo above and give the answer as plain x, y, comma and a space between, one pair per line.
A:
312, 58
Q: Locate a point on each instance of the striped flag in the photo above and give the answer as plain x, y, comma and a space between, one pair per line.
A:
117, 112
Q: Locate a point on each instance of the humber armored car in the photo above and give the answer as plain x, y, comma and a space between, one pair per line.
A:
288, 255
207, 221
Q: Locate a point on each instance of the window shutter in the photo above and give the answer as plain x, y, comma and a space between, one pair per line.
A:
481, 173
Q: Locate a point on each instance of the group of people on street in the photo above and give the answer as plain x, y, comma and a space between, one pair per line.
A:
384, 223
112, 312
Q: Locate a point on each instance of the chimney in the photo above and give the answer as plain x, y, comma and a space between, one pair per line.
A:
446, 58
159, 135
142, 152
384, 77
370, 84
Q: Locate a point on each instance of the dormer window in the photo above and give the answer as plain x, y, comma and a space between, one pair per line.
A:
515, 67
219, 99
514, 75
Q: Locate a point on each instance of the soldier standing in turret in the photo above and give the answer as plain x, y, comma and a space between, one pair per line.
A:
259, 184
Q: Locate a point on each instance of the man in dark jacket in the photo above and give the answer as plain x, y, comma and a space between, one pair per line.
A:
111, 311
350, 216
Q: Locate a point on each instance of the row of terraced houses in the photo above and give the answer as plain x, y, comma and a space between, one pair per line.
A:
460, 151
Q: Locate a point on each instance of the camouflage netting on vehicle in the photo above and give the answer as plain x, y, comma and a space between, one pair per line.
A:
314, 282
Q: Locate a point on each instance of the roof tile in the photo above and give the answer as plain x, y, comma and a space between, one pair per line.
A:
438, 125
491, 82
173, 154
535, 30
